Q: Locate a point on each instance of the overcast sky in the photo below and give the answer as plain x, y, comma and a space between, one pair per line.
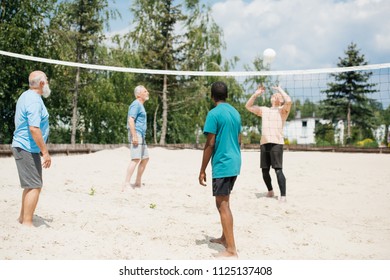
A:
306, 34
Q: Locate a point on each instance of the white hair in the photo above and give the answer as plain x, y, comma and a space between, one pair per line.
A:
34, 82
138, 90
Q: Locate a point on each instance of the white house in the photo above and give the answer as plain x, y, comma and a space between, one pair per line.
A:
301, 130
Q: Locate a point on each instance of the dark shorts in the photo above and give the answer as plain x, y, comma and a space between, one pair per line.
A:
29, 168
271, 155
223, 186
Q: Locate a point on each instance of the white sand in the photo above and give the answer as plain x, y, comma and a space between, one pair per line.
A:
338, 208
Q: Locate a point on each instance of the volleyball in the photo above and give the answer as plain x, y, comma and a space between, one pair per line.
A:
268, 56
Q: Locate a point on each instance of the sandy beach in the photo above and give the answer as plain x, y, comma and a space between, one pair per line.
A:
337, 208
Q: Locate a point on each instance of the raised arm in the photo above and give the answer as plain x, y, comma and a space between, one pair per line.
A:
249, 104
287, 102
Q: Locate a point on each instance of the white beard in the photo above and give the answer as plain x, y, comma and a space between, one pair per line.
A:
46, 91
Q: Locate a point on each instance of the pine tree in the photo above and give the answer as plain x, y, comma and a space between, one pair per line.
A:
346, 97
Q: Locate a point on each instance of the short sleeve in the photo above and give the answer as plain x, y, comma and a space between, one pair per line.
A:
210, 125
134, 110
34, 114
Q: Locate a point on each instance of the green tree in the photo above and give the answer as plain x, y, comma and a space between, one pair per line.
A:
324, 134
104, 110
309, 109
386, 117
161, 44
23, 29
347, 96
77, 31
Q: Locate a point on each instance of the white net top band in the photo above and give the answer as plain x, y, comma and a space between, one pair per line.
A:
195, 73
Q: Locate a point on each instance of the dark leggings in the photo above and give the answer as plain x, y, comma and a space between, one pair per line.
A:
281, 180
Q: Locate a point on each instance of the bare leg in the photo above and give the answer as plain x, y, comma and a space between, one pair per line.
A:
29, 203
130, 170
221, 240
227, 238
140, 171
20, 219
270, 194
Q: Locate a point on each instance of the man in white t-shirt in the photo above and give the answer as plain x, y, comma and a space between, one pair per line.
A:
272, 139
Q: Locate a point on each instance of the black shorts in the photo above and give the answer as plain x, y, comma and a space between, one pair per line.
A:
271, 155
223, 186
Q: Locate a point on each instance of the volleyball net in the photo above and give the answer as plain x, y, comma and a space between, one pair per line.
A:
330, 106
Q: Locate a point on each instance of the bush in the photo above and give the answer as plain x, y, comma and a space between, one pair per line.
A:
251, 138
323, 143
293, 142
324, 134
367, 143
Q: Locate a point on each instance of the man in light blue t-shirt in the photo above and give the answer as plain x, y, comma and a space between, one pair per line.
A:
223, 130
136, 126
29, 140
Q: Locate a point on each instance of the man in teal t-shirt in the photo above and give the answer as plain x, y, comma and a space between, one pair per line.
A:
222, 128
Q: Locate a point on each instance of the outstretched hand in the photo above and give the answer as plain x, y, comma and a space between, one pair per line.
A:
278, 88
260, 90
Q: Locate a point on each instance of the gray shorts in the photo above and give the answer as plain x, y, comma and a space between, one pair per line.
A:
29, 168
139, 151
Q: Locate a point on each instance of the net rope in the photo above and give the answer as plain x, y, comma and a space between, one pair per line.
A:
302, 85
197, 73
